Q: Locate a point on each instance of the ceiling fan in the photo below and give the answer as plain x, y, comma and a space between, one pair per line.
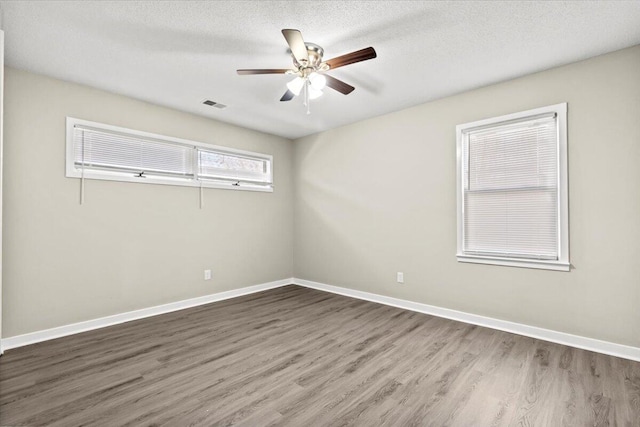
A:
310, 70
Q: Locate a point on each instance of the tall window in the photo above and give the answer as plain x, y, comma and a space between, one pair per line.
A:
99, 151
512, 190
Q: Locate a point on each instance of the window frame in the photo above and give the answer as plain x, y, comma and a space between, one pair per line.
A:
71, 171
462, 131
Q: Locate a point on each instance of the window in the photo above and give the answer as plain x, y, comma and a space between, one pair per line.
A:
99, 151
512, 190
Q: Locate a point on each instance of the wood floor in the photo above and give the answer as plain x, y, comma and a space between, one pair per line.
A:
298, 357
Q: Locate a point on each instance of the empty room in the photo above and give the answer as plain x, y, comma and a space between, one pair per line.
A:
320, 213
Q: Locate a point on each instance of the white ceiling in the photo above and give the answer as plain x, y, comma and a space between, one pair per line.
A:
179, 53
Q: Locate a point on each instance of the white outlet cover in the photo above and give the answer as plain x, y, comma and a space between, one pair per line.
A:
207, 275
400, 277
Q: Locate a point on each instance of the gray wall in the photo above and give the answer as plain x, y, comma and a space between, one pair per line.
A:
129, 246
379, 196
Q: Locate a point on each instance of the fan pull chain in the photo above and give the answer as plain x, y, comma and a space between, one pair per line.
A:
306, 96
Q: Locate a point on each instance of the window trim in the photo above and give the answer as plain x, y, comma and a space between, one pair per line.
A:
562, 263
73, 172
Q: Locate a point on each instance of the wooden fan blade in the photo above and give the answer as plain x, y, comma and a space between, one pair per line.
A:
351, 58
296, 43
288, 96
263, 71
339, 85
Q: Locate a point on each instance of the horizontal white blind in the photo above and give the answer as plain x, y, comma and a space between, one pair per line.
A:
104, 150
511, 190
231, 166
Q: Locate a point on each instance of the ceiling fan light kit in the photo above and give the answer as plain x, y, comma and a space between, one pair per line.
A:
317, 81
309, 69
295, 85
313, 92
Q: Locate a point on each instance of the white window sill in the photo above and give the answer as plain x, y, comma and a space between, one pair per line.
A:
516, 262
107, 176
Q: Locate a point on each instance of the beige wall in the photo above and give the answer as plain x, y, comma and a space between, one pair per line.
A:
379, 196
129, 246
364, 201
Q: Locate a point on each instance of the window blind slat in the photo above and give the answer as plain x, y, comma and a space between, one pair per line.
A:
218, 165
106, 151
117, 151
510, 196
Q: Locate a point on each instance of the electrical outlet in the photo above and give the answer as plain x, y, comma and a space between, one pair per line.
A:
400, 277
207, 275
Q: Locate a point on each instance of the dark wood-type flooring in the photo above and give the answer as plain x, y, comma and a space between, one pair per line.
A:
298, 357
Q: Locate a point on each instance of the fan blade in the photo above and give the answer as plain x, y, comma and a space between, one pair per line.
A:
264, 71
296, 43
339, 85
288, 96
353, 57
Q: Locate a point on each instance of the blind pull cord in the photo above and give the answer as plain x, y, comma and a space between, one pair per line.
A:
82, 174
201, 196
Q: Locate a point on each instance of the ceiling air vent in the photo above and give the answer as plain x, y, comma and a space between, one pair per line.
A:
213, 104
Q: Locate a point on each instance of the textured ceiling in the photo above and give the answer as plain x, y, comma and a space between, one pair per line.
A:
179, 53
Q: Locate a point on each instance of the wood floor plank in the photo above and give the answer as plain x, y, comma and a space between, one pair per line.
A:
294, 356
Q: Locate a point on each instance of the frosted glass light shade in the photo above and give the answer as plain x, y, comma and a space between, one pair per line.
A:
318, 81
295, 85
314, 93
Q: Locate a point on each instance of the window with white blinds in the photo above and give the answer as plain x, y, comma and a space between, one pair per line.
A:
512, 197
99, 151
223, 166
113, 151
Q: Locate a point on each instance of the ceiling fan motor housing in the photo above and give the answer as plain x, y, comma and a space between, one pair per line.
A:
315, 53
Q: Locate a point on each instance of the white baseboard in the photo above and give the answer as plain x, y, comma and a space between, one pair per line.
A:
591, 344
75, 328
